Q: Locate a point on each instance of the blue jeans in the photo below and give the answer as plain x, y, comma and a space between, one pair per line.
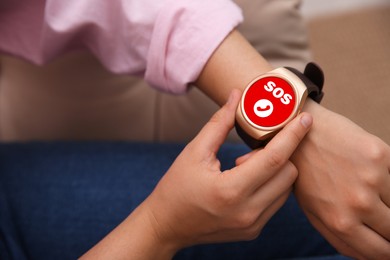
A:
59, 199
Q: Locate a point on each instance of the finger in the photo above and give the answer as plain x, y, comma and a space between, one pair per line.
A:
266, 200
385, 191
285, 142
336, 242
379, 220
362, 239
243, 158
368, 243
214, 133
253, 230
388, 157
271, 210
354, 239
265, 163
277, 185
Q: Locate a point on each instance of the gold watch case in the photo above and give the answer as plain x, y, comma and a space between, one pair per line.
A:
264, 133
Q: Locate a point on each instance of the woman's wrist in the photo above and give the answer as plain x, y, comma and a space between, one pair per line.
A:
321, 115
232, 66
163, 244
137, 237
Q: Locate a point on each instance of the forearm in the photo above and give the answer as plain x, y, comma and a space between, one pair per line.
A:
233, 65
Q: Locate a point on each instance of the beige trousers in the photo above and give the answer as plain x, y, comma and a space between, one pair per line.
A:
75, 98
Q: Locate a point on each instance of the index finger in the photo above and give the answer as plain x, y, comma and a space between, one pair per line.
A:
283, 145
262, 165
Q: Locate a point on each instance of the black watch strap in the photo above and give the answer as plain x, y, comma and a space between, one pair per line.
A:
313, 77
249, 140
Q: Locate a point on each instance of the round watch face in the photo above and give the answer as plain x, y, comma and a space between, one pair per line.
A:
268, 102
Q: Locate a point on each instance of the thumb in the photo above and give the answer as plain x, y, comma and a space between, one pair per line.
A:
214, 133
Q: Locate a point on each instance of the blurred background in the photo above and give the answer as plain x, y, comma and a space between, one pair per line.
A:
350, 39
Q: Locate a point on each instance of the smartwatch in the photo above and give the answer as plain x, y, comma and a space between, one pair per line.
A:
273, 99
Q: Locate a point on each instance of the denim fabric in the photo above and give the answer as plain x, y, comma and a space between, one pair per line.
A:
58, 199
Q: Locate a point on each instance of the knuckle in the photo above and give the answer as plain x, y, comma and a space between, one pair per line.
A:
361, 202
341, 224
218, 116
251, 234
375, 151
275, 160
214, 119
371, 180
227, 195
292, 171
245, 220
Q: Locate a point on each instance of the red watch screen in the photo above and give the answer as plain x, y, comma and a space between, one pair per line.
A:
269, 102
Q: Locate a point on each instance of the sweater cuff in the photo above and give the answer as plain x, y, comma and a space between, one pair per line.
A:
185, 35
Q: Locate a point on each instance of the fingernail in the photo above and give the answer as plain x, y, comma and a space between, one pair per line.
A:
306, 120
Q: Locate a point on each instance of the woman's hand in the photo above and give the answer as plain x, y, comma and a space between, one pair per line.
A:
197, 203
344, 185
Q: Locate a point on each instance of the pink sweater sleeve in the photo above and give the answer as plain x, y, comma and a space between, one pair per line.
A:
167, 42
